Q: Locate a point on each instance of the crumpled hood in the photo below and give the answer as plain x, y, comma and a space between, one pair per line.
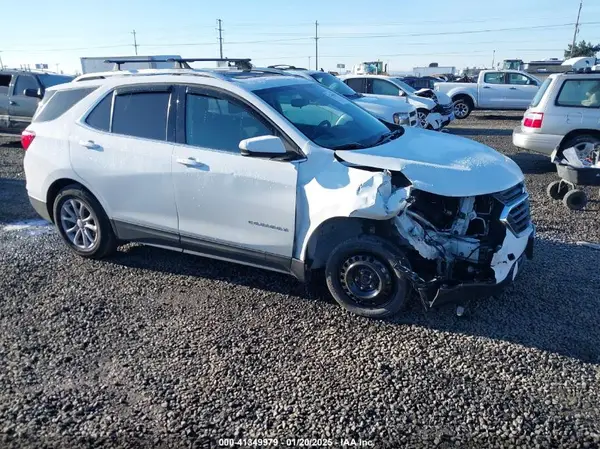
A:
438, 97
381, 104
442, 164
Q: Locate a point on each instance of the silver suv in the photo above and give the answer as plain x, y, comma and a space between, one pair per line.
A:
564, 113
20, 93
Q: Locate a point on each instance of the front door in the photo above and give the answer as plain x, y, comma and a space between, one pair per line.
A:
21, 107
126, 161
521, 90
229, 205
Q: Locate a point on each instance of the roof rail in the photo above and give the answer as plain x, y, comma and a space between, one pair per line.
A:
183, 63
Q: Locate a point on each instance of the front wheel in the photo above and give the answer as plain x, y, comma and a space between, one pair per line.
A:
360, 276
422, 117
83, 224
462, 108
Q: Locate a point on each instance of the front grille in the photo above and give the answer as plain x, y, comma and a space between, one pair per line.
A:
510, 195
516, 214
412, 118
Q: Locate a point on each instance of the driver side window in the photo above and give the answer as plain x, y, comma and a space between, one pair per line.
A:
383, 87
220, 123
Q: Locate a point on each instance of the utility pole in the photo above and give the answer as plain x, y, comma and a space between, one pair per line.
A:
316, 45
220, 38
493, 59
576, 28
135, 45
1, 65
309, 63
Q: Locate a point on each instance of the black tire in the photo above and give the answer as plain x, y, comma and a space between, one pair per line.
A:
464, 105
557, 190
575, 199
360, 253
105, 242
579, 140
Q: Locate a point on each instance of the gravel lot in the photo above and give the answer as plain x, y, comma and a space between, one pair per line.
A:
156, 349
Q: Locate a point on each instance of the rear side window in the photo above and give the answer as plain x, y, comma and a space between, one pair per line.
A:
540, 93
494, 78
141, 114
52, 80
99, 118
356, 84
4, 83
25, 82
579, 93
59, 102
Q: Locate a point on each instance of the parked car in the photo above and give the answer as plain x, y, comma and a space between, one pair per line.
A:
564, 113
495, 89
434, 111
277, 172
393, 110
20, 93
423, 82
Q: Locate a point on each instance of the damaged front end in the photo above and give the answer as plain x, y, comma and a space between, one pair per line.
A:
459, 248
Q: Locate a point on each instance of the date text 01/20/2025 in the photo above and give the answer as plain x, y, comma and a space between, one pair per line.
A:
294, 442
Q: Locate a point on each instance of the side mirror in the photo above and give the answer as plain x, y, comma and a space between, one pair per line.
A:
401, 93
35, 93
262, 146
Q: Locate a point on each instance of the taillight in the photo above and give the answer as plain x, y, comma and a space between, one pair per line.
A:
26, 139
533, 119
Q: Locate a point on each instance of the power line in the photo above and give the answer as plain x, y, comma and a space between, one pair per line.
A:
220, 39
135, 45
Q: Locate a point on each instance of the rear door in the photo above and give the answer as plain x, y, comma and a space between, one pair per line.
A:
20, 107
122, 150
5, 82
521, 90
579, 101
493, 91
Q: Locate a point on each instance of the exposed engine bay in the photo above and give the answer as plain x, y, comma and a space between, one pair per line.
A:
451, 241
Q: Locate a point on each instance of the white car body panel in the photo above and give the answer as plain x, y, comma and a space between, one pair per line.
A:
239, 214
452, 166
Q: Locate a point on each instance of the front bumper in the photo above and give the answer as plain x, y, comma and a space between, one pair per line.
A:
540, 143
432, 294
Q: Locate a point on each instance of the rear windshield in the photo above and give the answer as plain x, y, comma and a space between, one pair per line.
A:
540, 93
56, 103
48, 80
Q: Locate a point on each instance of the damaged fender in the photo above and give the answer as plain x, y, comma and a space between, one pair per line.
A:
434, 119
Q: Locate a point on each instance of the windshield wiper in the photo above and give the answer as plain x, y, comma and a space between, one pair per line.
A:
388, 136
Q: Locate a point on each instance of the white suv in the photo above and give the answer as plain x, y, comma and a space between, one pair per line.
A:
565, 113
281, 173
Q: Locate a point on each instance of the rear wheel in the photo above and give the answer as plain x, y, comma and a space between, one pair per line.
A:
360, 276
575, 199
82, 223
584, 145
462, 108
557, 190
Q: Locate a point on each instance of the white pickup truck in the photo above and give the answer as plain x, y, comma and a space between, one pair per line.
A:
494, 89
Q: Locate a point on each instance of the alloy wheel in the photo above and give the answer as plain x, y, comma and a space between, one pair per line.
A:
79, 224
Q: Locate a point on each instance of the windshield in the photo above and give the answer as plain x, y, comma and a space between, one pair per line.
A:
324, 117
540, 93
405, 87
334, 83
53, 80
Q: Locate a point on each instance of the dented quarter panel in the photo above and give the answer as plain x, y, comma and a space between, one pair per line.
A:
441, 163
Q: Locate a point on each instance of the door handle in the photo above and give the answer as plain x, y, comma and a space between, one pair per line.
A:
12, 103
512, 88
486, 87
191, 162
89, 144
